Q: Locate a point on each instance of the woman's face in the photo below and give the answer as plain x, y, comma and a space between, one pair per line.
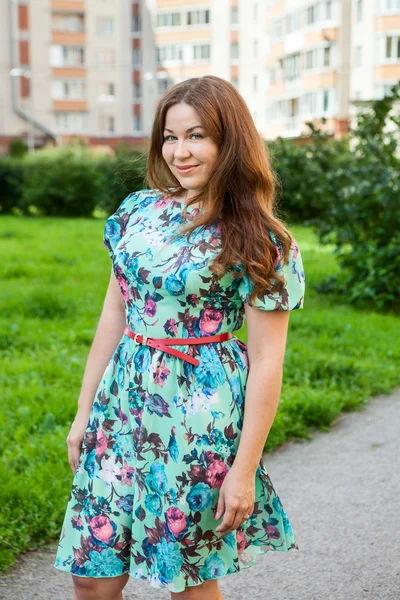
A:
186, 145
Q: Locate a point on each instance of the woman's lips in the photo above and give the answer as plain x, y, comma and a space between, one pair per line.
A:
185, 170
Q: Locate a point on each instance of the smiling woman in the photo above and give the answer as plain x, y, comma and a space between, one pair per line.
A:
189, 153
166, 449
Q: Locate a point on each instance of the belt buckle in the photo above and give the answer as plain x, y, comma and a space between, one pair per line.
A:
144, 339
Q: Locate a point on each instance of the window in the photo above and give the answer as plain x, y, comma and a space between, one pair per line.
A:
169, 53
234, 50
325, 101
318, 58
309, 103
73, 122
255, 83
137, 123
292, 66
137, 90
235, 82
328, 9
105, 57
293, 22
312, 14
234, 15
358, 56
390, 5
106, 124
68, 89
327, 56
201, 52
198, 17
136, 24
67, 22
67, 56
277, 29
105, 26
255, 48
108, 89
162, 86
393, 47
359, 11
168, 19
136, 57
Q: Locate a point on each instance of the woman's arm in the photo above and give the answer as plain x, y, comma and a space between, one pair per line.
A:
266, 335
108, 333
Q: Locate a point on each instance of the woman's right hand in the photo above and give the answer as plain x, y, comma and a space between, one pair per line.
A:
75, 438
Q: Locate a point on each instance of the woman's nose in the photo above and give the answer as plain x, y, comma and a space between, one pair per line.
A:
181, 150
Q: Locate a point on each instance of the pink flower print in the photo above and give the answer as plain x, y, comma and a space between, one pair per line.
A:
272, 531
176, 522
123, 284
162, 202
101, 442
126, 474
192, 299
171, 327
77, 523
215, 473
240, 540
278, 257
210, 320
102, 529
150, 307
160, 374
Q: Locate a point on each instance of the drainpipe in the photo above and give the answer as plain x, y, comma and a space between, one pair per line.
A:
15, 81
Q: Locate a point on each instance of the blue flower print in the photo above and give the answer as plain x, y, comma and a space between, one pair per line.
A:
157, 479
169, 559
200, 497
153, 503
103, 564
213, 567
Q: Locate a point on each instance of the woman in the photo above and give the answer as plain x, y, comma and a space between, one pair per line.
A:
169, 483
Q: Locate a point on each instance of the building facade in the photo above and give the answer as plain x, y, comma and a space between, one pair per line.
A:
325, 56
97, 68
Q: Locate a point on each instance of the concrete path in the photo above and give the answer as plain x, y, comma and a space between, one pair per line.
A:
342, 494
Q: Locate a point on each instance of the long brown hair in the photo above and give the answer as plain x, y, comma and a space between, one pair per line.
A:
240, 192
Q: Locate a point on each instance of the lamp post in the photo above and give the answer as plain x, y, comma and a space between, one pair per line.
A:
19, 72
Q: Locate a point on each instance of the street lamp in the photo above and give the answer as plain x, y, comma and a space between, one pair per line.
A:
18, 72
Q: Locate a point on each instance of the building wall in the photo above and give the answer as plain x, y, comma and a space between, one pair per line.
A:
99, 67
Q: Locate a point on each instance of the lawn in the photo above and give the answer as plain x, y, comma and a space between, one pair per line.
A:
54, 274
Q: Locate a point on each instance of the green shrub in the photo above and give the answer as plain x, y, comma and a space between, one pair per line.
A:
120, 176
362, 219
302, 170
11, 179
61, 182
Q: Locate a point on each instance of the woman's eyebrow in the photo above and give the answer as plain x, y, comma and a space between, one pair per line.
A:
187, 130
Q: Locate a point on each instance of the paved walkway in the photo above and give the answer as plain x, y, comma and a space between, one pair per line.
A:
342, 494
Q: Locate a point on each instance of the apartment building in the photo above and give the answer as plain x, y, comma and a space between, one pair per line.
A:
324, 56
96, 68
70, 68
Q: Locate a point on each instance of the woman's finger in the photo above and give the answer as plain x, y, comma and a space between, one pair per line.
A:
229, 519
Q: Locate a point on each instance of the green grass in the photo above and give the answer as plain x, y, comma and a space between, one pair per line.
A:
54, 275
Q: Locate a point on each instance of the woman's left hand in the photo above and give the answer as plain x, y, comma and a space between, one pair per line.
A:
236, 499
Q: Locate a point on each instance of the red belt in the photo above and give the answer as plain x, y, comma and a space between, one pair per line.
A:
162, 343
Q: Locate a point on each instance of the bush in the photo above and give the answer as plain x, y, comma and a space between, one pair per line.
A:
303, 185
120, 176
62, 182
362, 218
11, 179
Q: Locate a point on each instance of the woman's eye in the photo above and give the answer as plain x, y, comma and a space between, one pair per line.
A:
167, 137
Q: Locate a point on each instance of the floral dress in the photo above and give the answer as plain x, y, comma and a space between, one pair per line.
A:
162, 432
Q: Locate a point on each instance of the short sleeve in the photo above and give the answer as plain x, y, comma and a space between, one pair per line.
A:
115, 226
291, 297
